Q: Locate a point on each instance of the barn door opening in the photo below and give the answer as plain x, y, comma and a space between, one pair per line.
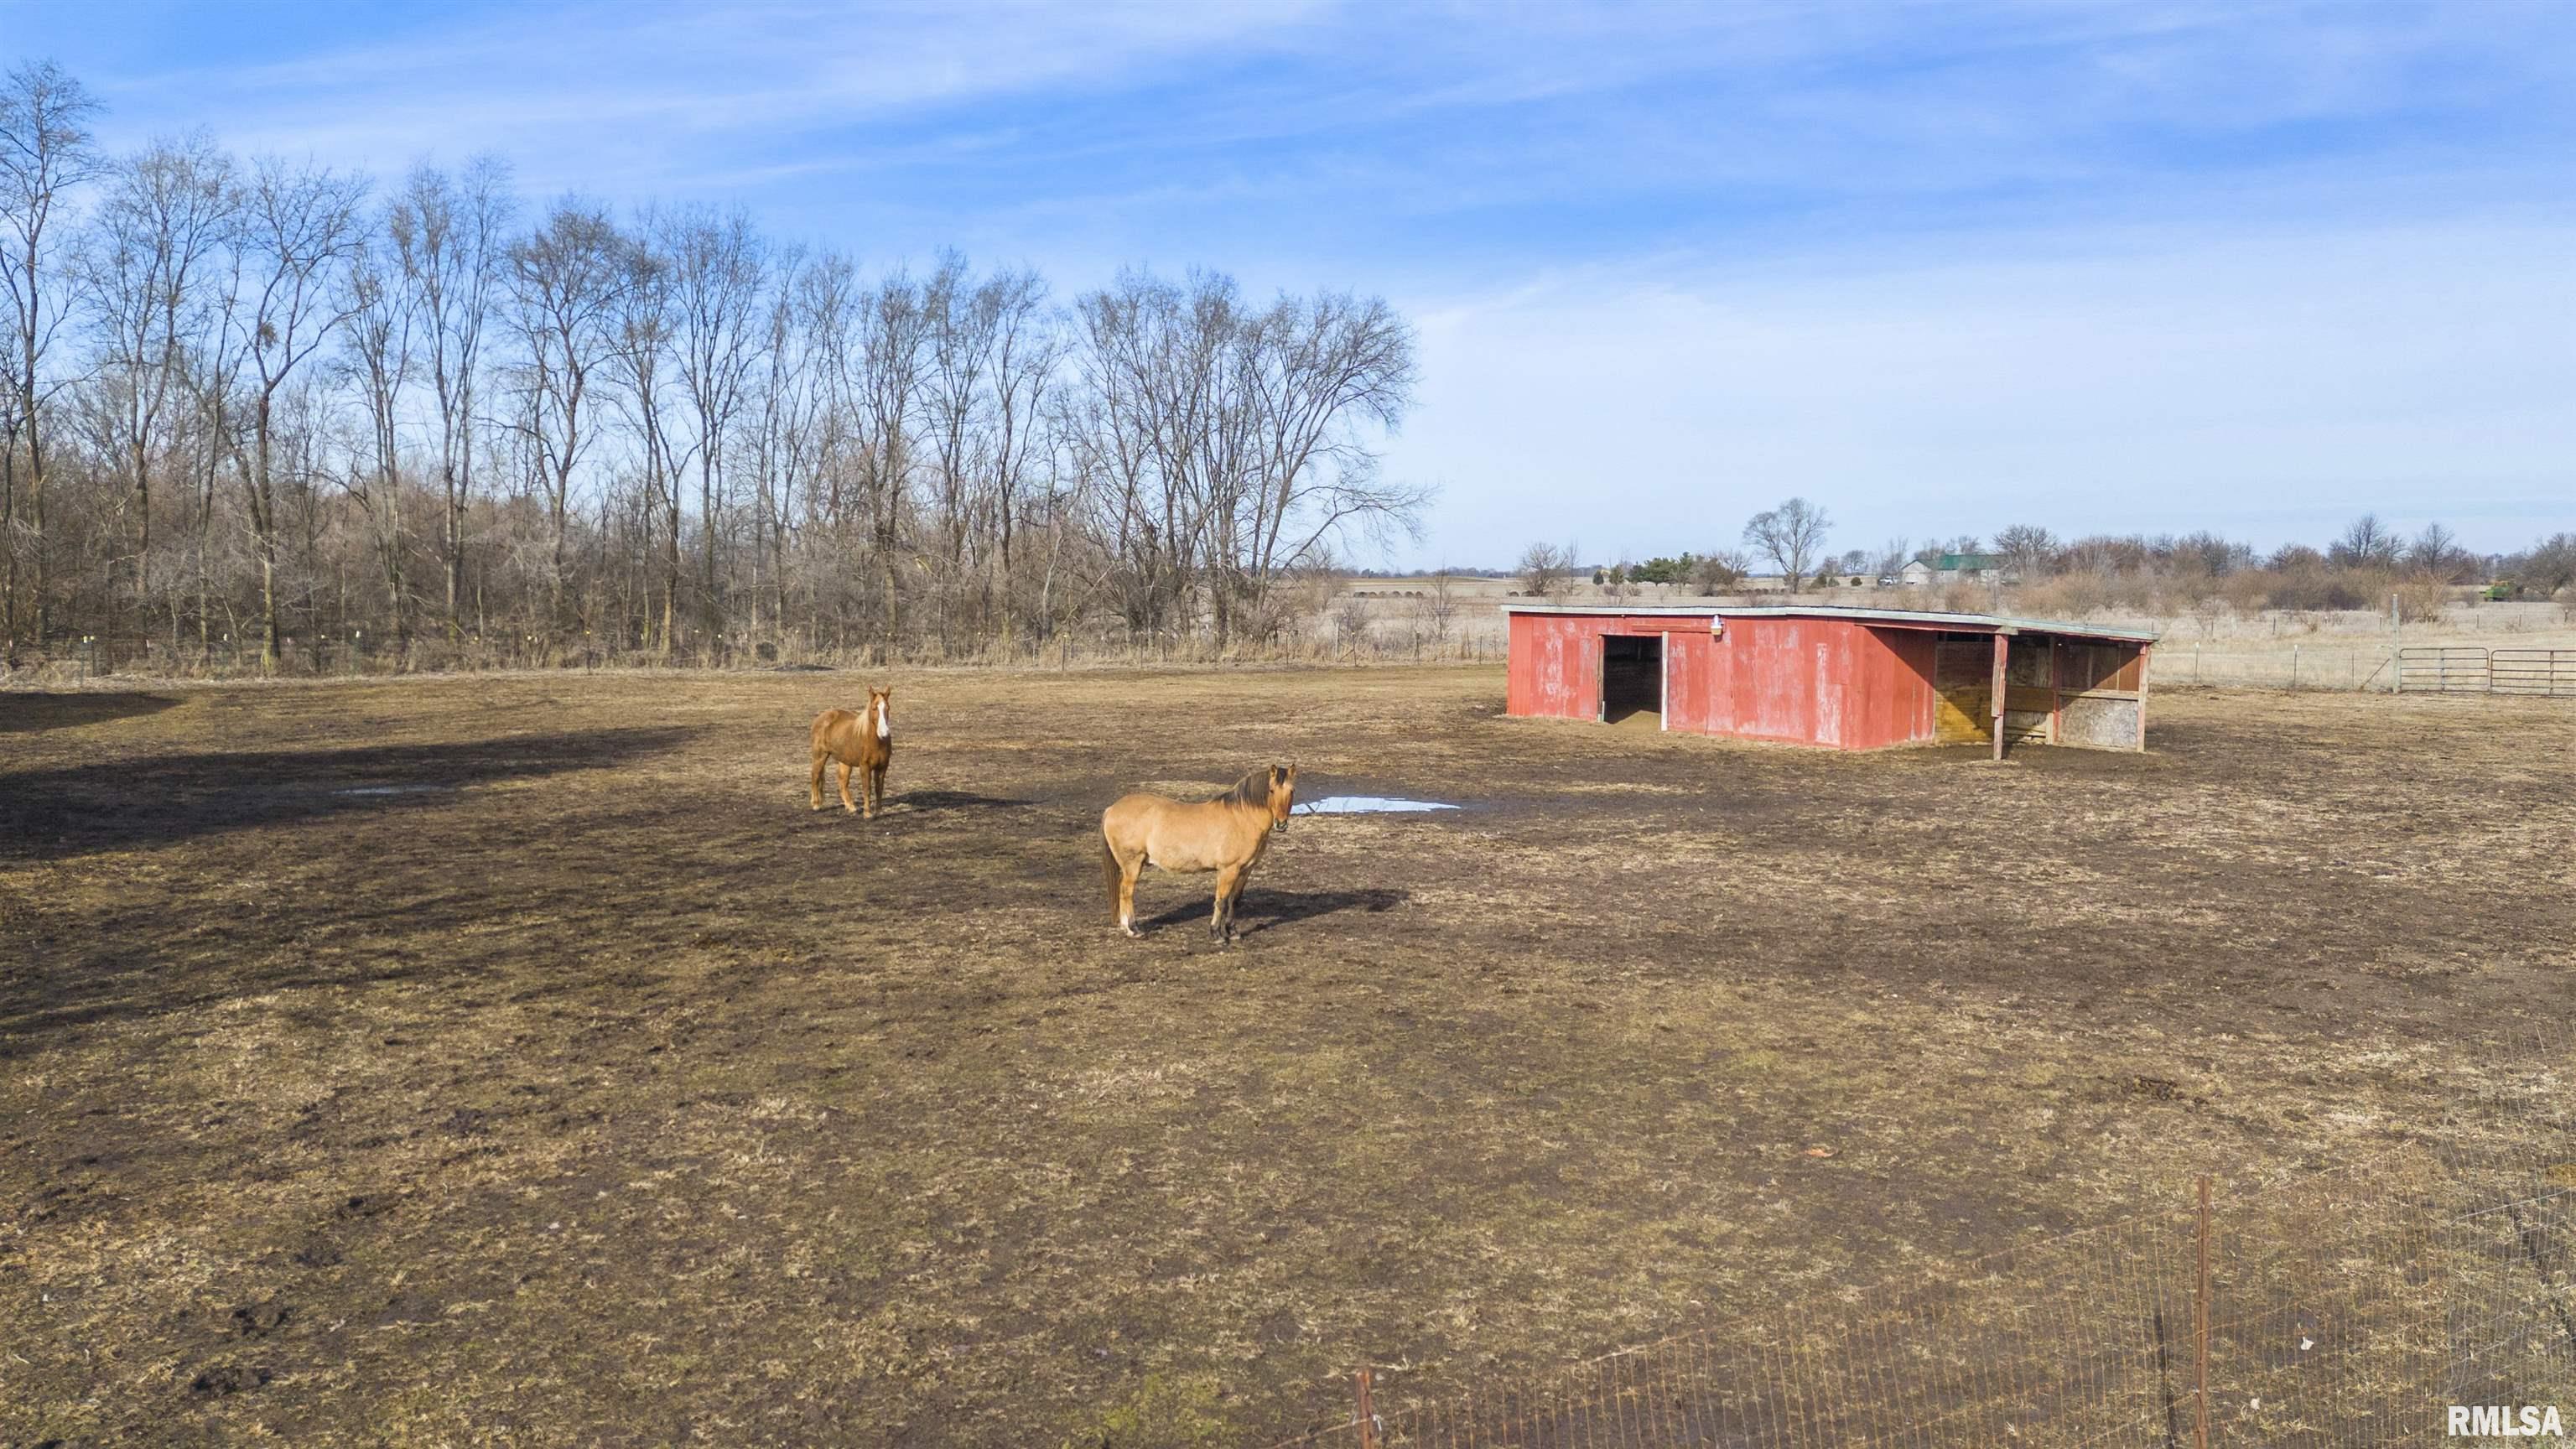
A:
1963, 684
1632, 679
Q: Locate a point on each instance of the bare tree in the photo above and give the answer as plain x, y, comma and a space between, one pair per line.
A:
565, 280
1164, 452
382, 313
1323, 374
892, 336
1352, 619
1544, 568
449, 236
719, 269
1719, 571
299, 226
641, 346
2550, 566
1025, 358
45, 152
787, 431
158, 233
1791, 536
963, 328
2028, 550
2437, 552
1440, 605
2367, 543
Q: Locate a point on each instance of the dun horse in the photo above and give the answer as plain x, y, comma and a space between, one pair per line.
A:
861, 742
1225, 835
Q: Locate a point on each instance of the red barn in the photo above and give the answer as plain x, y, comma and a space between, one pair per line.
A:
1851, 679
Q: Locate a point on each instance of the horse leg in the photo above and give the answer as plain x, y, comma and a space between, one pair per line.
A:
1128, 870
1229, 881
876, 788
822, 761
846, 806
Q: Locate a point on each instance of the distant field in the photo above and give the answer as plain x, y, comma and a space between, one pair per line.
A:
515, 1059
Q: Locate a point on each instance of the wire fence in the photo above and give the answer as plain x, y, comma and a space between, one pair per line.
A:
2355, 1306
2536, 671
79, 658
2361, 667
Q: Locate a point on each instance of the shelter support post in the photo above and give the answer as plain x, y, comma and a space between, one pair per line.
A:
2002, 643
2143, 651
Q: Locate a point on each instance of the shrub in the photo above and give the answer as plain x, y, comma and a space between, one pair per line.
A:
2420, 600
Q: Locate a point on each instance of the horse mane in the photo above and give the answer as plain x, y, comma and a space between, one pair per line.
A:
1252, 790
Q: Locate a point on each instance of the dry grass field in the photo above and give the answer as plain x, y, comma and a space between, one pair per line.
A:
516, 1060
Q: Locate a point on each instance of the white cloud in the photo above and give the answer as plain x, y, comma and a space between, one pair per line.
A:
612, 97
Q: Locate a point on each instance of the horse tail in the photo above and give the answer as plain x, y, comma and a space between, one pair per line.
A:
1110, 870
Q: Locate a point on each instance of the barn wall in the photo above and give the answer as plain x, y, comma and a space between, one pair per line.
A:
2102, 694
1555, 665
1841, 683
1805, 681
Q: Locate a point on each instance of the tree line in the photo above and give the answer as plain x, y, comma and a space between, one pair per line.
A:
2361, 567
258, 400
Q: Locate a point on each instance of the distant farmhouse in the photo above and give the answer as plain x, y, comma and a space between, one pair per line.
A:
1952, 568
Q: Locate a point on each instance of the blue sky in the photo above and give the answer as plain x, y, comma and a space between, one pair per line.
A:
2097, 264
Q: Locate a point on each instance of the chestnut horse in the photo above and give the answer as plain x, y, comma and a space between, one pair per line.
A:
862, 742
1225, 835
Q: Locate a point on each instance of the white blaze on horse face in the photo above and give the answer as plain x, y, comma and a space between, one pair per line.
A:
885, 726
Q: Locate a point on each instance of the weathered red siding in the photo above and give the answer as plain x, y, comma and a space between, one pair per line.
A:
1556, 659
1813, 681
1805, 681
1852, 683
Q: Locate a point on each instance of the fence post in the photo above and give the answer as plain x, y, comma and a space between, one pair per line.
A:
2294, 666
2200, 1325
1368, 1412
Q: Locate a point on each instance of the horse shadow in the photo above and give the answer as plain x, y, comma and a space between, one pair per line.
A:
1260, 910
26, 712
931, 802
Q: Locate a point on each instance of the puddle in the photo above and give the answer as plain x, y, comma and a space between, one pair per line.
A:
1366, 805
398, 790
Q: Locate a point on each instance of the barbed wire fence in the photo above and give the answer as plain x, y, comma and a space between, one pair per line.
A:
2354, 1305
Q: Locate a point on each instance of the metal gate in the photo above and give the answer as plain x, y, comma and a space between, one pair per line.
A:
2532, 671
2470, 669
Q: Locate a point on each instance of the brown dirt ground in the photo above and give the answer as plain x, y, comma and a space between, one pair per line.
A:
587, 1089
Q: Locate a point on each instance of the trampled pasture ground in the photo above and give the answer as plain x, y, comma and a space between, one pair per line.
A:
574, 1085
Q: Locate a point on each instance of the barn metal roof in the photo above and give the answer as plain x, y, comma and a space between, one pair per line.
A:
1909, 618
